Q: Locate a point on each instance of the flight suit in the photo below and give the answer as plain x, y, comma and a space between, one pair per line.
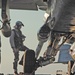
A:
16, 42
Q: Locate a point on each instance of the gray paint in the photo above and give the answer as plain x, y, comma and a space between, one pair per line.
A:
64, 13
27, 4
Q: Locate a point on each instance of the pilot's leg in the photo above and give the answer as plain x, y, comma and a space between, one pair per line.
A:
15, 63
24, 48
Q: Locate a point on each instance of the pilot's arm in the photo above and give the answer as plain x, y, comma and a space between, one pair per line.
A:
12, 39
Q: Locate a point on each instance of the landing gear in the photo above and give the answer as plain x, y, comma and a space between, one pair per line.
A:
29, 61
30, 64
43, 61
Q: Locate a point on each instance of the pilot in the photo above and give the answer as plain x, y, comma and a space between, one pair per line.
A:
16, 42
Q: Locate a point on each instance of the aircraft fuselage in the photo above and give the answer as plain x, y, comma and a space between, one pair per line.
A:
63, 13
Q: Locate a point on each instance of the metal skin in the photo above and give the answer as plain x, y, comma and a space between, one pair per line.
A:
63, 12
61, 22
62, 19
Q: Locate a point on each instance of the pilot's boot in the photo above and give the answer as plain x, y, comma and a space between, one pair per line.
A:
21, 73
15, 68
15, 73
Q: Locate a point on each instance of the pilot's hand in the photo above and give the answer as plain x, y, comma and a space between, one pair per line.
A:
15, 50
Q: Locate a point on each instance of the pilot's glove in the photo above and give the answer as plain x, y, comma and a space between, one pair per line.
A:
23, 38
15, 50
